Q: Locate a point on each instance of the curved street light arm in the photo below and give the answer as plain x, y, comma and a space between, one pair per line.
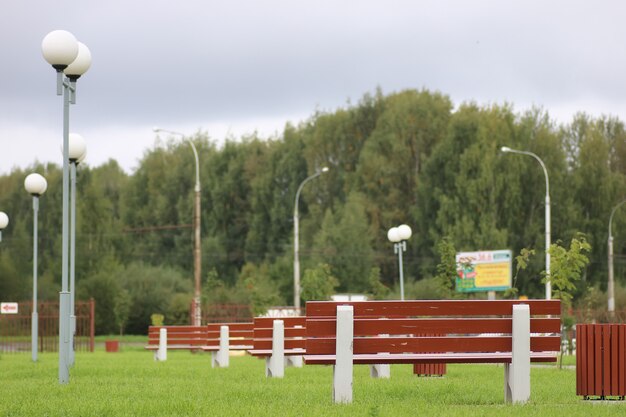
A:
193, 148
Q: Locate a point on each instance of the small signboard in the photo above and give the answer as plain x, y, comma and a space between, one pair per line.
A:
8, 308
484, 271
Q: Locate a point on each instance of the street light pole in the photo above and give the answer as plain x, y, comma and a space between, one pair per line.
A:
35, 185
76, 155
506, 149
398, 236
611, 284
296, 241
72, 58
197, 258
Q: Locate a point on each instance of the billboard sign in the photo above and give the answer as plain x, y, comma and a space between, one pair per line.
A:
484, 271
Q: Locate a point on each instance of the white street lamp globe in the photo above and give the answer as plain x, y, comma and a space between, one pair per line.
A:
35, 184
393, 235
77, 147
59, 48
505, 149
80, 65
82, 157
4, 220
404, 232
325, 169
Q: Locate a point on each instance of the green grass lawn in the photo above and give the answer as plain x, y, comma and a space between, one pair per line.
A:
131, 383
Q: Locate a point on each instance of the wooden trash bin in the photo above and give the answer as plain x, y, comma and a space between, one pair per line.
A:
601, 361
111, 346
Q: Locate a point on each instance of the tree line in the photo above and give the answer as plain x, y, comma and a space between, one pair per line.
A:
408, 157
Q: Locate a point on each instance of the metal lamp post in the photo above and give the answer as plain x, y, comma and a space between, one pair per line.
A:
76, 154
611, 284
506, 149
35, 185
4, 222
197, 258
398, 236
70, 59
296, 238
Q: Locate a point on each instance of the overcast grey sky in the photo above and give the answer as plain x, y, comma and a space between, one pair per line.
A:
230, 67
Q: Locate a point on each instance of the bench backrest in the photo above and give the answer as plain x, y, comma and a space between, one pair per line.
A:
294, 332
179, 335
239, 334
420, 326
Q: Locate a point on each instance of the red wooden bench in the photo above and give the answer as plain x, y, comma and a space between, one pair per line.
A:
279, 340
225, 337
178, 337
514, 333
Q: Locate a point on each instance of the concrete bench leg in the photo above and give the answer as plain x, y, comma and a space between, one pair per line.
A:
293, 361
342, 371
219, 359
381, 370
517, 373
275, 364
161, 353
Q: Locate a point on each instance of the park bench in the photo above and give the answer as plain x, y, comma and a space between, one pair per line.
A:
225, 337
514, 333
176, 337
280, 341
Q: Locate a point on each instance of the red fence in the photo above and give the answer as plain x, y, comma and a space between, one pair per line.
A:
15, 329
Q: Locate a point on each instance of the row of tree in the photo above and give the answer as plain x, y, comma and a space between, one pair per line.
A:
409, 157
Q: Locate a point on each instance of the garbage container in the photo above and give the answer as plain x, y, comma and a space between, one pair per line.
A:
111, 346
600, 364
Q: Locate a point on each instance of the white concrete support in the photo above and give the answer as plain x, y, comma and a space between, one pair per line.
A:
161, 352
342, 371
275, 364
219, 359
382, 370
517, 373
294, 361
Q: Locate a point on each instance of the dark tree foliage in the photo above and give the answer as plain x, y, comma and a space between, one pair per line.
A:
408, 157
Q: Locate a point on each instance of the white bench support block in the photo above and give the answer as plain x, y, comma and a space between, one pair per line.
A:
161, 353
219, 359
517, 373
342, 371
293, 361
380, 371
275, 364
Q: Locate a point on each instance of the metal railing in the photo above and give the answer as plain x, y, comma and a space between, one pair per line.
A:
15, 329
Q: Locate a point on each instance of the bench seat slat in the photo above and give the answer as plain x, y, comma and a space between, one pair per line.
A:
326, 346
412, 308
268, 352
372, 359
373, 327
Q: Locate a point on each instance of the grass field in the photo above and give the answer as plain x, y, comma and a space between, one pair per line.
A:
130, 383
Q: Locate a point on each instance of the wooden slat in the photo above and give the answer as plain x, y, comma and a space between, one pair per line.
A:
289, 343
289, 332
287, 321
326, 346
597, 377
372, 327
499, 357
614, 389
215, 327
581, 351
432, 308
622, 359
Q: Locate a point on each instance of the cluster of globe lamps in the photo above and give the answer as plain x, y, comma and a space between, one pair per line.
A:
70, 59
